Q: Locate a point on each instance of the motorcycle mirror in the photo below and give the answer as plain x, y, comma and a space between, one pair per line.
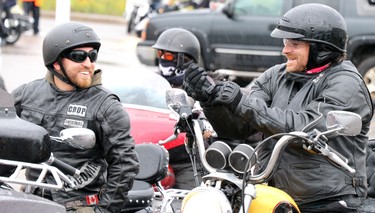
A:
179, 102
346, 123
177, 97
80, 138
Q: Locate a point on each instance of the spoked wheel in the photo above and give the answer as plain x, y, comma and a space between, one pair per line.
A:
14, 35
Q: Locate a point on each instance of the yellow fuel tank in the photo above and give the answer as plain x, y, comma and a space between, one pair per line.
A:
272, 200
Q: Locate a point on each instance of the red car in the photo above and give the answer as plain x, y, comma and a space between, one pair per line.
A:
143, 96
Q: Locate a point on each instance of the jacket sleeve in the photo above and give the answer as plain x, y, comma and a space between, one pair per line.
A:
234, 126
119, 153
255, 112
342, 90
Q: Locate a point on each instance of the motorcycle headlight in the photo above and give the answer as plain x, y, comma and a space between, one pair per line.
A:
205, 199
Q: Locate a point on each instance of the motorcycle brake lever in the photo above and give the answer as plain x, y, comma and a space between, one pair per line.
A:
334, 156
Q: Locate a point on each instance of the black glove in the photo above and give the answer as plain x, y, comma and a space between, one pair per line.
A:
228, 94
197, 84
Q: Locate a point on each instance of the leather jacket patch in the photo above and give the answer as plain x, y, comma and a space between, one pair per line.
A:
77, 110
73, 123
89, 172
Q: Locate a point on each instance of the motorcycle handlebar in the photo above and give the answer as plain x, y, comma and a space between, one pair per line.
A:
325, 150
170, 138
63, 167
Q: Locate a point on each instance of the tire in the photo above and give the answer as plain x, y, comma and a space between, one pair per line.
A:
14, 35
131, 21
367, 69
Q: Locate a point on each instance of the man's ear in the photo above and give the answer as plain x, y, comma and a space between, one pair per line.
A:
56, 66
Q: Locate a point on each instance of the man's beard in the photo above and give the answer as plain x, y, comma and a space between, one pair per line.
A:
82, 82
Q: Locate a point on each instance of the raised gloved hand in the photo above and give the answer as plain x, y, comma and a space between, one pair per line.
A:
197, 83
228, 94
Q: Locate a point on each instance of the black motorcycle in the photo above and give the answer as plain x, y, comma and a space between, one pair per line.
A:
15, 23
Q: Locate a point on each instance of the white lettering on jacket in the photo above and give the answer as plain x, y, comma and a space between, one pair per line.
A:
73, 123
89, 171
77, 110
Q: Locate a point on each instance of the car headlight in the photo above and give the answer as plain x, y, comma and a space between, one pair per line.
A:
205, 199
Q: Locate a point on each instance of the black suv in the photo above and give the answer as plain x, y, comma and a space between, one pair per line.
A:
236, 39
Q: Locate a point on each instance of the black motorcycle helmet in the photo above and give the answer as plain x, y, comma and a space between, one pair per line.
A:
179, 40
320, 25
64, 38
187, 48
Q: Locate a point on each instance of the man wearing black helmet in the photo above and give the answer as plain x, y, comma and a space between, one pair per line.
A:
177, 47
315, 80
71, 95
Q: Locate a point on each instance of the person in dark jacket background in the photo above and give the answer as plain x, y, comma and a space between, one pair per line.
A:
71, 95
287, 97
176, 47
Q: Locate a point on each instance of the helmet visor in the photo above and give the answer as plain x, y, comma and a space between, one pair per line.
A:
287, 32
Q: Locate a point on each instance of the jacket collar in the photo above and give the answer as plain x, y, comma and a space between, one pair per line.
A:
305, 76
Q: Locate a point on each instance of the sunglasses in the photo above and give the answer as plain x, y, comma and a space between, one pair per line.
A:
166, 55
80, 56
293, 43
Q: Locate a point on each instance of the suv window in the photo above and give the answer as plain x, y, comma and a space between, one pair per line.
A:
258, 7
332, 3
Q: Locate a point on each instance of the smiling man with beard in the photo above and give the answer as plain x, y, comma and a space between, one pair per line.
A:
287, 97
71, 95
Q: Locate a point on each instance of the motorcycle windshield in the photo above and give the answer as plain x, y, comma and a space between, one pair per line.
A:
143, 88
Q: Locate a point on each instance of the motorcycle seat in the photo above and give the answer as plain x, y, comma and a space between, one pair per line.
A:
153, 162
139, 197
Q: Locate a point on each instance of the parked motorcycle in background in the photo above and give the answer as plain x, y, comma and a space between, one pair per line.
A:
140, 10
15, 23
137, 12
230, 183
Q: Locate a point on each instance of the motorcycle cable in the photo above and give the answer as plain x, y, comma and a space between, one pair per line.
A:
191, 148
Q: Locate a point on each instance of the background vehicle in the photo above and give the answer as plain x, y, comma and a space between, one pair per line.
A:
141, 9
16, 24
236, 39
142, 93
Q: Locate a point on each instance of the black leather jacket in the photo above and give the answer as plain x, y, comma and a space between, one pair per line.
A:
284, 102
107, 169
